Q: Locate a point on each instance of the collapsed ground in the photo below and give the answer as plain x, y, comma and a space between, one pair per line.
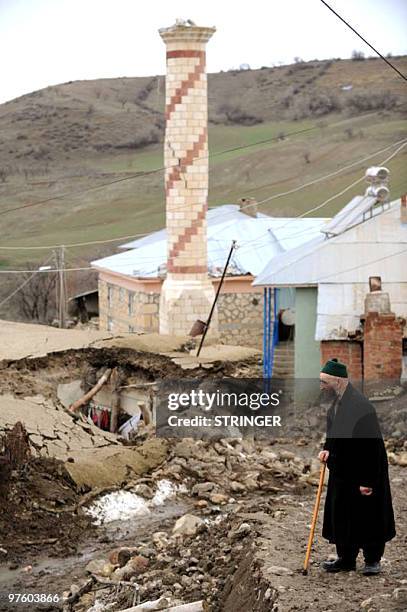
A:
252, 503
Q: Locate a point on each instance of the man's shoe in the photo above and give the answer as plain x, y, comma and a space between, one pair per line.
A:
371, 569
339, 565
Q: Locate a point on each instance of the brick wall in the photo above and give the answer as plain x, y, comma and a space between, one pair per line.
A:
383, 335
124, 310
348, 352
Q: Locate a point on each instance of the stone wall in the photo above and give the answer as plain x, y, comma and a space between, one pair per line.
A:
124, 310
241, 318
240, 313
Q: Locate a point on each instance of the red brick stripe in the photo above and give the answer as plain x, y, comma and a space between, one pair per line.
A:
185, 53
186, 161
186, 85
185, 238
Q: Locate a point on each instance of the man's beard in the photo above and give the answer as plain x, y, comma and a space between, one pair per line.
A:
327, 395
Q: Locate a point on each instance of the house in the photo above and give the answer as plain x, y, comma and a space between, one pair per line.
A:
337, 312
130, 282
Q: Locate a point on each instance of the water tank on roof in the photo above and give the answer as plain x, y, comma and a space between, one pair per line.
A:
377, 174
380, 192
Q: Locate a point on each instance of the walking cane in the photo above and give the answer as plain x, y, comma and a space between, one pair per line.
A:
314, 518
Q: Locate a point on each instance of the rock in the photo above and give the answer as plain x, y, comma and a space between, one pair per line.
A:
241, 532
144, 491
366, 602
99, 567
218, 498
120, 556
400, 594
137, 565
237, 487
278, 570
202, 489
201, 503
401, 459
160, 539
189, 524
286, 455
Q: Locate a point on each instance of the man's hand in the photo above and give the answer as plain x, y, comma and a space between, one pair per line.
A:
366, 490
323, 456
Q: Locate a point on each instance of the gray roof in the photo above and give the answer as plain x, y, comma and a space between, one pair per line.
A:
258, 239
375, 247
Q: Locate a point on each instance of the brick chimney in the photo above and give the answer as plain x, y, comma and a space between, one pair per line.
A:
248, 206
383, 339
187, 292
403, 209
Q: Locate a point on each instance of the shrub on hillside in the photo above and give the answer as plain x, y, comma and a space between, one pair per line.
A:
361, 102
313, 106
235, 115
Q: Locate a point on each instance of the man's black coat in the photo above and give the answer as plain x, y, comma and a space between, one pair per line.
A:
357, 457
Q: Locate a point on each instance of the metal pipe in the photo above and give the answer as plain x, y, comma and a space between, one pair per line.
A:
216, 298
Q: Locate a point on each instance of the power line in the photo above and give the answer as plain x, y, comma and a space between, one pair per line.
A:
336, 195
161, 169
27, 280
364, 40
273, 197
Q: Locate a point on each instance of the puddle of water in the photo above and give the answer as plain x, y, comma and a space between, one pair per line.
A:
120, 533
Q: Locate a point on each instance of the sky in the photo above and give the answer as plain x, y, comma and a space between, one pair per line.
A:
46, 42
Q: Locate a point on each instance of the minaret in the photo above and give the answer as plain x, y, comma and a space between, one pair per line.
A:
187, 292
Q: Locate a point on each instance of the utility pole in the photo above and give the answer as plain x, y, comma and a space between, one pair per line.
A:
62, 287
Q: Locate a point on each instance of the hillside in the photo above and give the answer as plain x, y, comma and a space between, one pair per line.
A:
75, 137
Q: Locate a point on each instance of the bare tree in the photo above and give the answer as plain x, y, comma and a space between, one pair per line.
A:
35, 301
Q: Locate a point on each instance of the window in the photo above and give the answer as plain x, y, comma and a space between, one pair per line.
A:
109, 324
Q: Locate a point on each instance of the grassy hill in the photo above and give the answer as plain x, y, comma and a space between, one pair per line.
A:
76, 137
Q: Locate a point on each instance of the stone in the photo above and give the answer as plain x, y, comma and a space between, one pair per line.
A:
400, 594
241, 532
218, 498
187, 525
201, 503
144, 491
100, 567
202, 489
119, 556
401, 459
237, 487
278, 570
137, 565
160, 539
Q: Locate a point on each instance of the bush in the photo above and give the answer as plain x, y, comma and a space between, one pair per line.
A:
235, 115
313, 106
359, 103
357, 56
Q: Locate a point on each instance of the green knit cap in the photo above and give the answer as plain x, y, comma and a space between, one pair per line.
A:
335, 368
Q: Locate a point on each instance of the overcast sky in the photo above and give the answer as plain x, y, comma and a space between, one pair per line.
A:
45, 42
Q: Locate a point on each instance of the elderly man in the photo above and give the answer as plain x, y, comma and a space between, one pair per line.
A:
358, 506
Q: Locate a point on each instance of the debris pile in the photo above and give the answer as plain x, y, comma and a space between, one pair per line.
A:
195, 561
38, 502
216, 471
